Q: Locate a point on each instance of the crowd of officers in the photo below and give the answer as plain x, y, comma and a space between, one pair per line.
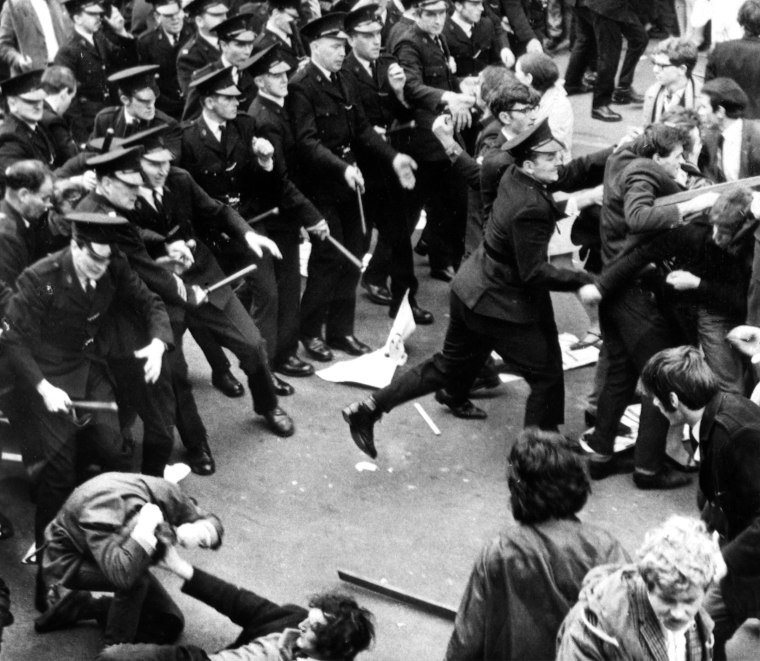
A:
139, 172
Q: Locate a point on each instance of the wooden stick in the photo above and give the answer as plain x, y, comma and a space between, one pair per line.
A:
361, 211
89, 405
231, 278
433, 607
685, 196
347, 254
274, 211
427, 418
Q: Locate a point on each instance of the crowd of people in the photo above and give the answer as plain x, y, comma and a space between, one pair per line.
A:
161, 168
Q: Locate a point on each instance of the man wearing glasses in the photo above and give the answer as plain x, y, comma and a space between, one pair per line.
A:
138, 93
203, 49
161, 46
673, 62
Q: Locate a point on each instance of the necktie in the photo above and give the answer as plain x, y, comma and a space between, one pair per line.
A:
89, 290
157, 201
223, 136
373, 71
235, 75
719, 170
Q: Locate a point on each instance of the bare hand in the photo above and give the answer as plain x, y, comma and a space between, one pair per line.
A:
534, 46
590, 295
459, 106
396, 78
682, 280
321, 230
181, 251
354, 178
745, 339
264, 153
404, 167
199, 295
23, 62
443, 129
259, 244
56, 400
507, 57
181, 289
89, 180
698, 203
152, 353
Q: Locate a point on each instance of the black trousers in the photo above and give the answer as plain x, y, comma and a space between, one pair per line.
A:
233, 328
531, 350
583, 53
329, 298
442, 192
634, 328
609, 43
387, 208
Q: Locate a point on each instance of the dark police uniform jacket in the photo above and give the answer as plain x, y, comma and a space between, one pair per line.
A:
509, 276
115, 118
18, 249
154, 48
475, 53
245, 84
271, 122
56, 331
618, 10
195, 54
58, 128
428, 76
18, 141
232, 175
526, 17
329, 127
294, 50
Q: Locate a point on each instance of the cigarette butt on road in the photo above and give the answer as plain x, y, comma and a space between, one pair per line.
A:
427, 419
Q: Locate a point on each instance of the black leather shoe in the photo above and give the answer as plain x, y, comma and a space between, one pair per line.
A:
606, 114
446, 274
573, 90
465, 410
622, 430
294, 366
485, 382
361, 418
349, 344
201, 461
227, 383
665, 478
282, 388
317, 349
601, 466
625, 95
378, 294
421, 248
421, 317
280, 422
69, 610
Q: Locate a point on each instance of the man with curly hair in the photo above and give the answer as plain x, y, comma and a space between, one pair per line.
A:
525, 581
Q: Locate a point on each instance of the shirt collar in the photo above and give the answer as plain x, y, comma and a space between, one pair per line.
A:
273, 99
327, 74
213, 124
733, 130
466, 27
365, 63
280, 33
696, 428
86, 36
214, 41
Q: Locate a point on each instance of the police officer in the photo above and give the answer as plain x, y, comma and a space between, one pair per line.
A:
161, 46
281, 29
22, 136
235, 39
330, 129
203, 48
431, 85
378, 81
56, 341
270, 69
138, 93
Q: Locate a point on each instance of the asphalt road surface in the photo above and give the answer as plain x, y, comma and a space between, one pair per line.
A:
297, 509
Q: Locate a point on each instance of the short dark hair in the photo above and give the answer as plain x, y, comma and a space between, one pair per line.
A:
29, 174
56, 78
726, 92
546, 477
680, 370
510, 93
492, 77
685, 119
659, 139
349, 630
749, 17
679, 52
543, 69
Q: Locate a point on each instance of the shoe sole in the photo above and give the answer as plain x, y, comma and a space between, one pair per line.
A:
607, 119
370, 452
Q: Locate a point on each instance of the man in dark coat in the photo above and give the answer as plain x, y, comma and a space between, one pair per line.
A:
282, 29
107, 535
60, 333
22, 135
727, 428
138, 93
161, 46
203, 48
378, 82
60, 88
528, 22
739, 59
473, 40
613, 20
92, 58
500, 299
331, 129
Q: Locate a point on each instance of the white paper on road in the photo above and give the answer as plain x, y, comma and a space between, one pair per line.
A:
376, 369
571, 358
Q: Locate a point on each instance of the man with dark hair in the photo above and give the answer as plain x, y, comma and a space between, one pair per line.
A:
739, 59
673, 62
282, 29
60, 86
732, 143
727, 428
138, 92
500, 298
21, 135
106, 536
203, 48
333, 628
526, 580
161, 46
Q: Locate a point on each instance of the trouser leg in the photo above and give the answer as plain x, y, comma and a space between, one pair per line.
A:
288, 278
609, 42
192, 431
214, 353
584, 49
341, 309
263, 289
142, 652
720, 356
637, 39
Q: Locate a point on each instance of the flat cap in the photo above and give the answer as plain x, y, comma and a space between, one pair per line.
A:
27, 85
121, 163
538, 138
329, 25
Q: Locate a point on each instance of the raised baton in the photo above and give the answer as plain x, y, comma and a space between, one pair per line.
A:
89, 405
274, 211
347, 254
231, 278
